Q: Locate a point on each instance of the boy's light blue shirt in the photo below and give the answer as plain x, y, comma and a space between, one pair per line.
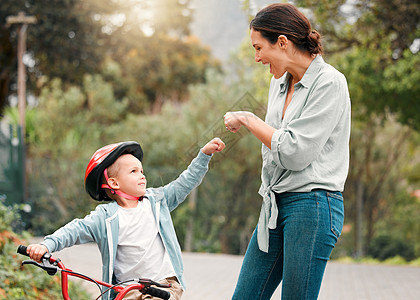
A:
101, 225
310, 148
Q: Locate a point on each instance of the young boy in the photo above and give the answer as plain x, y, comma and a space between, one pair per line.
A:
134, 232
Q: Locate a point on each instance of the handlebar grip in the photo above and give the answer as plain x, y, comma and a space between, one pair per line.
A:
22, 250
158, 293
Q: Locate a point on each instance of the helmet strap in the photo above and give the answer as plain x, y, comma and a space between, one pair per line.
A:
119, 193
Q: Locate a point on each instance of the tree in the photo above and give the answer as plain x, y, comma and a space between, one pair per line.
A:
147, 42
381, 66
381, 158
61, 44
376, 45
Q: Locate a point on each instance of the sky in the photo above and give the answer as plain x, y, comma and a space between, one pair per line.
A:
222, 25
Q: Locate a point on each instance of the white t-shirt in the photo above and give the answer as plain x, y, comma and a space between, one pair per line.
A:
140, 252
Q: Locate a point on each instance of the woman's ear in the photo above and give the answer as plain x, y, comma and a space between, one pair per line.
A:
282, 41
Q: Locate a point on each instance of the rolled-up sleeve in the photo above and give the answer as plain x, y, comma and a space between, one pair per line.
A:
299, 142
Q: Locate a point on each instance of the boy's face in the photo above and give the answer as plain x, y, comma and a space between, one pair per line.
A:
130, 178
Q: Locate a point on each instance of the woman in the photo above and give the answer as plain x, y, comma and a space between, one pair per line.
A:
305, 155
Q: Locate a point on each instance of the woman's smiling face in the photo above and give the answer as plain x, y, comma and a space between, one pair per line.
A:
268, 53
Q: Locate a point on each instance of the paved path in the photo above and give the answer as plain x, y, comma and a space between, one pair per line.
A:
213, 277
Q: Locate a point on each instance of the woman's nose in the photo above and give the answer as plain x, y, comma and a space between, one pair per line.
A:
257, 57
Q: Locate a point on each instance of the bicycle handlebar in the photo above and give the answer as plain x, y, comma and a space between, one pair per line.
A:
22, 250
52, 269
157, 293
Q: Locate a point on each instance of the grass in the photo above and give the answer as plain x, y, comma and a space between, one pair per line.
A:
396, 260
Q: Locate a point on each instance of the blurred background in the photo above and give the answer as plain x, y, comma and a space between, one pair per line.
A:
78, 74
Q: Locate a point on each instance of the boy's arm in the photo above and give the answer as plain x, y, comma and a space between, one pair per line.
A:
78, 231
176, 191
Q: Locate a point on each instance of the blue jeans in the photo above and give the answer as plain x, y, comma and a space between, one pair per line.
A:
308, 227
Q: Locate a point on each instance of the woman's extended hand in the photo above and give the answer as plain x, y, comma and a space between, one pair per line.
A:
236, 119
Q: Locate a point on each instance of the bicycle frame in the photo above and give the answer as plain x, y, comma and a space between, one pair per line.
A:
122, 291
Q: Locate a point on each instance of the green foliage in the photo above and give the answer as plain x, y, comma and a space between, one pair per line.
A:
8, 217
380, 85
385, 246
401, 83
368, 260
400, 223
381, 154
65, 120
415, 262
396, 260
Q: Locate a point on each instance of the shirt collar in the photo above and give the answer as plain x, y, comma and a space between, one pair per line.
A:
312, 71
307, 78
283, 82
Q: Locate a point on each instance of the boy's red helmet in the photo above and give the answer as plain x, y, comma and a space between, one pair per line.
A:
101, 160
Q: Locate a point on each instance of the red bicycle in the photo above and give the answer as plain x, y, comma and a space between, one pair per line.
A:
52, 265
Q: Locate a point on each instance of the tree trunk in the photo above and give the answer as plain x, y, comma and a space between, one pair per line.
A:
359, 220
189, 233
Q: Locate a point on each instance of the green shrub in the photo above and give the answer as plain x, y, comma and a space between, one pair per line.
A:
396, 260
386, 246
415, 262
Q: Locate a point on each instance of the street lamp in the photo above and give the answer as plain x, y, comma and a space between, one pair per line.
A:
23, 22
